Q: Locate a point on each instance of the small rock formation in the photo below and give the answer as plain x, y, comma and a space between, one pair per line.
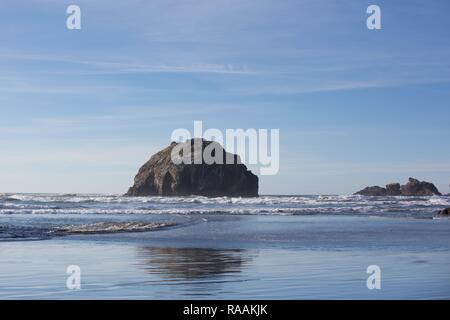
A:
393, 189
375, 191
419, 188
414, 187
162, 176
444, 212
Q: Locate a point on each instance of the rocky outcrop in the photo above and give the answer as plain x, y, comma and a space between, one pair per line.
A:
375, 191
393, 189
163, 176
419, 188
414, 187
445, 212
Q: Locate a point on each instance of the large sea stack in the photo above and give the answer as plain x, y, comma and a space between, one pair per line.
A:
414, 187
165, 177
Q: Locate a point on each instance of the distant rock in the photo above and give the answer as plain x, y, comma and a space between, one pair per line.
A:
414, 187
419, 188
375, 191
161, 176
393, 189
444, 212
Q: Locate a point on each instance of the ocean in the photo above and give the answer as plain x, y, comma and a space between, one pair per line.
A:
271, 247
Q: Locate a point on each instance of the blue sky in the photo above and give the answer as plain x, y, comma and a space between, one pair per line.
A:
81, 110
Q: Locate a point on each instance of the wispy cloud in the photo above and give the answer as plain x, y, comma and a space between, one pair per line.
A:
303, 87
112, 120
105, 66
404, 168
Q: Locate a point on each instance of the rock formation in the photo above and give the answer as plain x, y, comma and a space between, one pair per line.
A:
414, 187
393, 189
419, 188
375, 191
444, 212
163, 176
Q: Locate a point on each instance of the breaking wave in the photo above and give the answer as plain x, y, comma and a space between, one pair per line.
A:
42, 216
111, 227
91, 204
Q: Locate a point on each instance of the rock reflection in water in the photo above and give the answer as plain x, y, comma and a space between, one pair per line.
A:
192, 263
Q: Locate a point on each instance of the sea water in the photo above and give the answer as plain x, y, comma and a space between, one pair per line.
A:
271, 247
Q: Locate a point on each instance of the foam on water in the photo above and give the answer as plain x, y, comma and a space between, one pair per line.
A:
62, 207
110, 227
117, 204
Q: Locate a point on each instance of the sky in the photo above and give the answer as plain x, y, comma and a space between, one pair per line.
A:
82, 110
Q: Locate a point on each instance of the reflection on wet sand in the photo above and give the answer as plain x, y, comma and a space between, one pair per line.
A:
192, 263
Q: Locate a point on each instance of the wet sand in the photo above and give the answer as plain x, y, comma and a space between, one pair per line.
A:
239, 257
